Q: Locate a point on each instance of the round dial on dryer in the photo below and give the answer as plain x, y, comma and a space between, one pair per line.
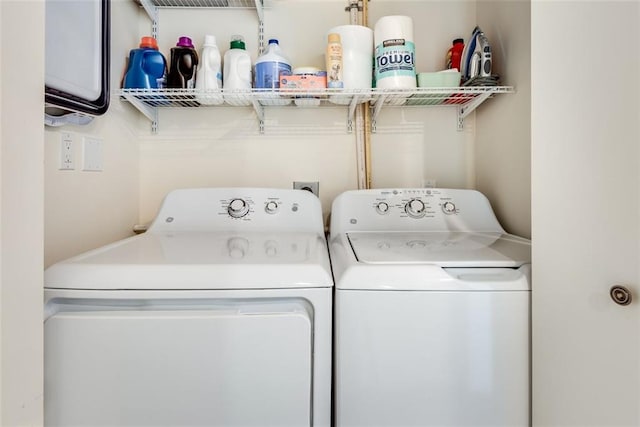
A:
271, 207
415, 208
238, 208
448, 207
382, 208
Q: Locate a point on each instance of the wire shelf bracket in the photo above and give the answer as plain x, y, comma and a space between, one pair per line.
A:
469, 107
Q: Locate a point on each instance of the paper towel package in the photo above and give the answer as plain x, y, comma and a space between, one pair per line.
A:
394, 53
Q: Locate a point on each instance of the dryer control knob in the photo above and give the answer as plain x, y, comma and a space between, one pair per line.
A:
271, 207
449, 208
415, 208
238, 208
382, 208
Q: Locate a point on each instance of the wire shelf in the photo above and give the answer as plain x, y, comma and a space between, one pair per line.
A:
235, 98
243, 4
316, 98
465, 99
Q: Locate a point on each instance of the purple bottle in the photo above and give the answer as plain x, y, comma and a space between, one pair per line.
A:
184, 63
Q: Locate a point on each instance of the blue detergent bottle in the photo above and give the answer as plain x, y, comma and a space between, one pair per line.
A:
147, 68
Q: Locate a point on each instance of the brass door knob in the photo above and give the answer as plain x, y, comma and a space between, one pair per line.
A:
620, 295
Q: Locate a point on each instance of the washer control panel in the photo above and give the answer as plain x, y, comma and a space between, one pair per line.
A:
415, 204
419, 209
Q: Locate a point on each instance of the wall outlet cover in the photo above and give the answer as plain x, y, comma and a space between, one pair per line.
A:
312, 186
92, 154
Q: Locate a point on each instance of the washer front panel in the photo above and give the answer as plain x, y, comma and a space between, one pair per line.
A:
431, 358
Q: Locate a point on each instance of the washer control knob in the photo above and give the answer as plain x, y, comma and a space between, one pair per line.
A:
238, 208
382, 208
271, 207
449, 208
415, 208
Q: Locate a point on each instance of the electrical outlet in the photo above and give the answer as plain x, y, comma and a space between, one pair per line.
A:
67, 155
312, 186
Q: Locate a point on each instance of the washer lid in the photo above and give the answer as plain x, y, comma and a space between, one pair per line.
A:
199, 260
445, 249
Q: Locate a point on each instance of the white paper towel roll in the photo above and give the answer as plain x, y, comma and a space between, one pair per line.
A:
394, 53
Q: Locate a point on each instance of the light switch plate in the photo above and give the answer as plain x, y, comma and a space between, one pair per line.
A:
92, 154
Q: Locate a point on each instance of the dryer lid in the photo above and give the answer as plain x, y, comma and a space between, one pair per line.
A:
199, 260
445, 249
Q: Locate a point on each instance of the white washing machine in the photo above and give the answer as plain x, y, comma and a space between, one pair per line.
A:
218, 315
432, 311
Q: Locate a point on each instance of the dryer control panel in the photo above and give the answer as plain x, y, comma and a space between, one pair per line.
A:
416, 209
247, 209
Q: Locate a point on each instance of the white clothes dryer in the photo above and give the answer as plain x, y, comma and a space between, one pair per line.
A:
218, 315
432, 311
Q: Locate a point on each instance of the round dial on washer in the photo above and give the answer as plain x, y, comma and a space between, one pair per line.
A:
382, 208
271, 207
449, 208
415, 208
238, 208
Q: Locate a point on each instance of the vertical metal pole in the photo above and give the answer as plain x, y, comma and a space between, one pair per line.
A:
366, 113
360, 115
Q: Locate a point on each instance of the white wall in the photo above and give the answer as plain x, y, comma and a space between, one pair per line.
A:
503, 129
21, 214
84, 209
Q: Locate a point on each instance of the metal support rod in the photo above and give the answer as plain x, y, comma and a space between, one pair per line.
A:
376, 110
466, 109
259, 109
260, 10
149, 112
260, 37
353, 9
152, 11
351, 112
366, 115
359, 114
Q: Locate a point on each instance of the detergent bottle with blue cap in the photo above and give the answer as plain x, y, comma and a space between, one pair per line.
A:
270, 65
